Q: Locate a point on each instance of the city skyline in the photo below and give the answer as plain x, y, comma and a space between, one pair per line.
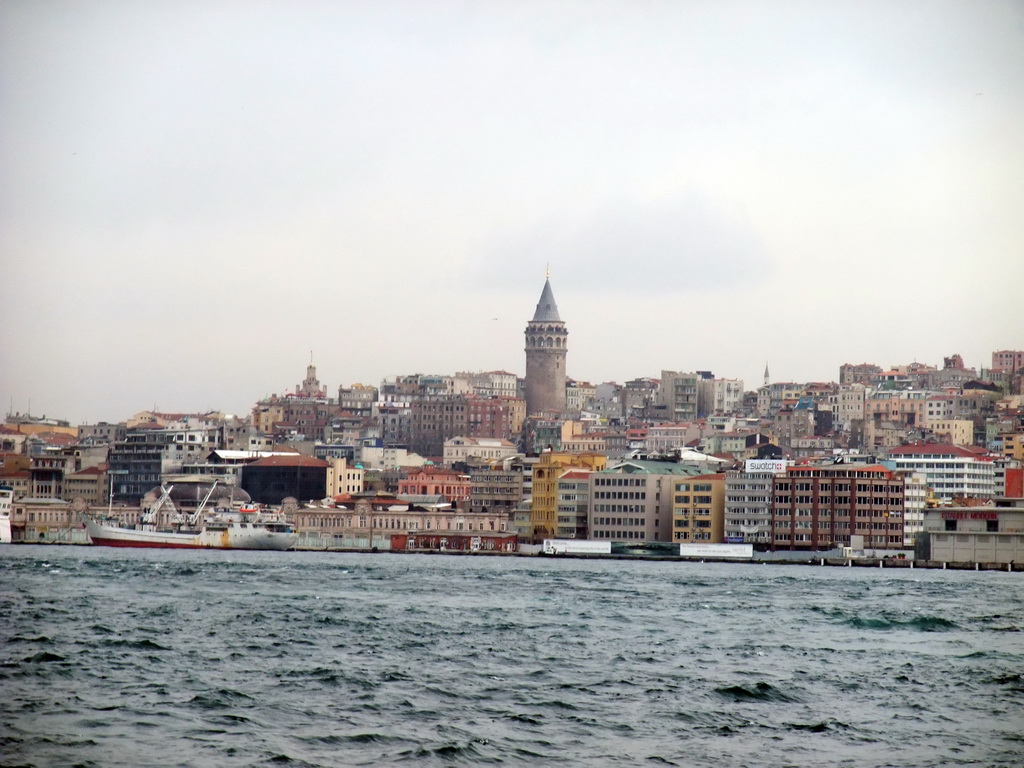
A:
195, 197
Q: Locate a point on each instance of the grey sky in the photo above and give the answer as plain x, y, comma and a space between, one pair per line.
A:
195, 195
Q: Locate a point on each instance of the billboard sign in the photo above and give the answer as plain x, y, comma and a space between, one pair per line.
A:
716, 550
776, 466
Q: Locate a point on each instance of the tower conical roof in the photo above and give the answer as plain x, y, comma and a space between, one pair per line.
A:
547, 310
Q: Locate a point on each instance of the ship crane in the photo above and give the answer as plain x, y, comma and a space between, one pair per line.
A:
150, 518
196, 516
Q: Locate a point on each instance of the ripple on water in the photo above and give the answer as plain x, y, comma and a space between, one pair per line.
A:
242, 659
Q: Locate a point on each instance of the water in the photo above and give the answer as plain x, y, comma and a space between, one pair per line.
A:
164, 658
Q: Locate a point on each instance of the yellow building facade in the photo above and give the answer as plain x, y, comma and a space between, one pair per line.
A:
546, 472
698, 509
955, 431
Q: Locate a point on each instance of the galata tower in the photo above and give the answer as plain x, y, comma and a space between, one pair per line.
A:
547, 341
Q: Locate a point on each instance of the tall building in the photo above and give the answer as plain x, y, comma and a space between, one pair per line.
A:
547, 342
633, 500
678, 395
821, 507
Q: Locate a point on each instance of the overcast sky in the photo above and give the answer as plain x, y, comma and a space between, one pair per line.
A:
195, 195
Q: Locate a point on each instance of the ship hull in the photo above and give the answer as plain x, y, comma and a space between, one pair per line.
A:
232, 537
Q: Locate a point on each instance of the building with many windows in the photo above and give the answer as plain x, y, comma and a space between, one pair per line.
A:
821, 507
678, 395
573, 504
547, 472
950, 470
435, 481
501, 486
748, 505
632, 500
698, 510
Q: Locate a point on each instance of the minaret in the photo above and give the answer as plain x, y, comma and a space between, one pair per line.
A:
547, 341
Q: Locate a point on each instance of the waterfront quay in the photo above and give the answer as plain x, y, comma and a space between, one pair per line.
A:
78, 537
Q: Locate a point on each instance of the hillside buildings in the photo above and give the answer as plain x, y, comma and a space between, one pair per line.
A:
682, 457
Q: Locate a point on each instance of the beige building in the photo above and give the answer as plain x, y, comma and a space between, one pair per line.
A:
588, 443
343, 478
484, 449
719, 396
993, 533
579, 395
698, 509
47, 520
678, 395
847, 404
89, 485
500, 487
955, 431
380, 457
370, 520
632, 500
1012, 446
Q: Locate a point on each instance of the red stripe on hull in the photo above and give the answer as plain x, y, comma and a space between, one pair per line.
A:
145, 544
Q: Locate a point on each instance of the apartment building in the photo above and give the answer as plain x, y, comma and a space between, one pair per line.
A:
821, 507
698, 509
950, 470
633, 500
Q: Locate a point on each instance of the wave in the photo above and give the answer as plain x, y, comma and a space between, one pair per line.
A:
43, 657
823, 727
758, 692
42, 639
139, 645
918, 623
219, 699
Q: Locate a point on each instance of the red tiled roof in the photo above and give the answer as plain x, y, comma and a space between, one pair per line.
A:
934, 449
97, 470
575, 474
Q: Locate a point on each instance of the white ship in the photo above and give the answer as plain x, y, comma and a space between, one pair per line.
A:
247, 527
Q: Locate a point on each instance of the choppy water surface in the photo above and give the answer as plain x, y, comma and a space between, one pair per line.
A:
161, 658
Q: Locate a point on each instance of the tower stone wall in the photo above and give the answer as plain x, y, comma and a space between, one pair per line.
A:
547, 342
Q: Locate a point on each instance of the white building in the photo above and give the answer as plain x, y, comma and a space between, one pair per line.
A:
950, 470
748, 504
915, 498
379, 457
719, 396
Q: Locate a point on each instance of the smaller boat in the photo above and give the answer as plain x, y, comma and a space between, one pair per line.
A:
245, 527
6, 502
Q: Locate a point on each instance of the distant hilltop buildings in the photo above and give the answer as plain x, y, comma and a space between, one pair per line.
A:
682, 457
